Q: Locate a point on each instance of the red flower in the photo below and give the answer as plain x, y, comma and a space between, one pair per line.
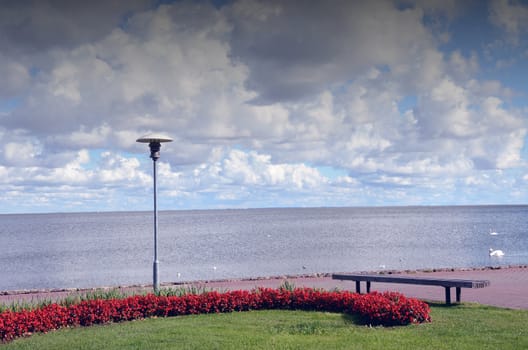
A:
375, 308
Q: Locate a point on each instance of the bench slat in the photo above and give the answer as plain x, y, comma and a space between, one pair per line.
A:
459, 283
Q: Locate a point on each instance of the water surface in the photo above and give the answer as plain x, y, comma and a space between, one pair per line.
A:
80, 250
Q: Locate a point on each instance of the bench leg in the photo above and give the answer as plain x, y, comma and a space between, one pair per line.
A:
368, 286
448, 295
458, 292
358, 287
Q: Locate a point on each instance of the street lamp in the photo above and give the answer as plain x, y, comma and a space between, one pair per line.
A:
154, 141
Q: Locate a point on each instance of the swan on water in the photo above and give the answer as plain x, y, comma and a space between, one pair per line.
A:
495, 252
493, 233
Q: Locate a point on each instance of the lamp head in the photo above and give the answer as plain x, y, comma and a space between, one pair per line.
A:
154, 141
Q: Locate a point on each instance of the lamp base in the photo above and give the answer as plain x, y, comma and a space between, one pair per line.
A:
155, 273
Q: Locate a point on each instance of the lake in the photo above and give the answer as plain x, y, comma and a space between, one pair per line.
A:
83, 250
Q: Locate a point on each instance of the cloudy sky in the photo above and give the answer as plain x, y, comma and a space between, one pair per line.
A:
269, 103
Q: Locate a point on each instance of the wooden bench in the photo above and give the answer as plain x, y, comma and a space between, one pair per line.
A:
446, 283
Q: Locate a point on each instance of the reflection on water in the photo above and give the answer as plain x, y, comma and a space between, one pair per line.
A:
106, 249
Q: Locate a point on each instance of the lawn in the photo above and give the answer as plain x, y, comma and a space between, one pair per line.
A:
465, 326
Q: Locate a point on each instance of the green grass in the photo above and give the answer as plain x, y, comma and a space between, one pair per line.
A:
466, 326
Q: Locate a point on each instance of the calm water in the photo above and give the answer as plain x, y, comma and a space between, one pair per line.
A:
103, 249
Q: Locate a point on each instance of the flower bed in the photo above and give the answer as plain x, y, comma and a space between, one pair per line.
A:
387, 309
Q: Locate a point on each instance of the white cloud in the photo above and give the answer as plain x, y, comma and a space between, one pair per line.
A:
257, 96
94, 138
450, 113
462, 67
21, 153
237, 167
151, 76
4, 175
35, 26
511, 16
116, 169
294, 51
510, 155
15, 77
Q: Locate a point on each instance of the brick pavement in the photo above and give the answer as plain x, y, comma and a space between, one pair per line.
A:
508, 288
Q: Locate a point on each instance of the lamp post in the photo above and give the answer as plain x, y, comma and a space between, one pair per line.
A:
154, 141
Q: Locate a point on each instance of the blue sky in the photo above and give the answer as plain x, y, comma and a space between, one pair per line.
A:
269, 103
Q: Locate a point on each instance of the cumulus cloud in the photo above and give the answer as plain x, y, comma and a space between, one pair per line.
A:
20, 153
511, 16
30, 26
15, 77
258, 96
294, 50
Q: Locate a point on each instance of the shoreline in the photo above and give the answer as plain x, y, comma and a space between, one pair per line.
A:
64, 292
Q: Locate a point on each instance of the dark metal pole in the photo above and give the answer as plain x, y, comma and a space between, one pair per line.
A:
154, 141
154, 154
156, 262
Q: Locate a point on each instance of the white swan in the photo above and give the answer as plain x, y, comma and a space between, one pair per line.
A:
495, 252
493, 233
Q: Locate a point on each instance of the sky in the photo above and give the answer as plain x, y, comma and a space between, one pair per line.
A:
270, 103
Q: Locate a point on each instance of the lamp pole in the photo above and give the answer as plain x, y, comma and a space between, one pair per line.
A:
154, 141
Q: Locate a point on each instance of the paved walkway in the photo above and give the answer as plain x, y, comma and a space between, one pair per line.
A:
508, 287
